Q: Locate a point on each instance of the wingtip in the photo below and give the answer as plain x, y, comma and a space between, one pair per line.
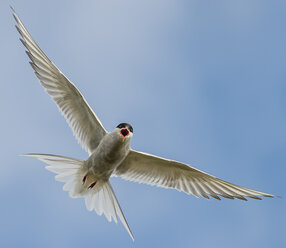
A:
27, 155
272, 196
15, 15
13, 10
132, 237
267, 195
130, 234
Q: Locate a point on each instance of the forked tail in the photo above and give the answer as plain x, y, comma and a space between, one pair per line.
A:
100, 197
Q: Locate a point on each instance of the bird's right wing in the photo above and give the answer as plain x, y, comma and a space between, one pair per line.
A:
85, 125
146, 168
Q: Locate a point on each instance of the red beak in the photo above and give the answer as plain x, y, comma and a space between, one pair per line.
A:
124, 132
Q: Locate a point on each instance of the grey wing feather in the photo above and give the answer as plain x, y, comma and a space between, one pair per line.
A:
85, 125
149, 169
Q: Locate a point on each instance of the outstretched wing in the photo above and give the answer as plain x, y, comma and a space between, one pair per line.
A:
85, 125
146, 168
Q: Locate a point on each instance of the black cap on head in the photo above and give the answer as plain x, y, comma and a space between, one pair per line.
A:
125, 125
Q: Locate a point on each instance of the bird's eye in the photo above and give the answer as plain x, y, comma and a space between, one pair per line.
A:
125, 125
121, 125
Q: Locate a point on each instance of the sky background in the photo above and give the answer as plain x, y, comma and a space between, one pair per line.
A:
202, 82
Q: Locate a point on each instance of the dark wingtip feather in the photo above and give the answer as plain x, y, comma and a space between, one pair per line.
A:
23, 42
227, 196
19, 30
254, 197
216, 197
29, 55
272, 196
12, 8
33, 66
206, 197
15, 17
241, 198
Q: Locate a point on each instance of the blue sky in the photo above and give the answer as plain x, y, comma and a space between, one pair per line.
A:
207, 77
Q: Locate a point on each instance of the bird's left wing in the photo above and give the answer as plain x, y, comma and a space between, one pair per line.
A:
85, 125
149, 169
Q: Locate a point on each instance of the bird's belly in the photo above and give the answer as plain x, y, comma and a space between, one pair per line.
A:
101, 165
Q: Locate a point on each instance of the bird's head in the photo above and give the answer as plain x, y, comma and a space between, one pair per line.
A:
125, 130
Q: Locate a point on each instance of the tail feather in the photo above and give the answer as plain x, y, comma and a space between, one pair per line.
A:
118, 211
68, 170
100, 198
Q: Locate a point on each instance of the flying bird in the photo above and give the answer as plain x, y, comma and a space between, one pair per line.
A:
110, 153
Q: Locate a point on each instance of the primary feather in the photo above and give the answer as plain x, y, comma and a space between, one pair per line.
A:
85, 125
107, 154
149, 169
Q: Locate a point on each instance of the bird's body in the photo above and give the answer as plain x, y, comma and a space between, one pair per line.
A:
110, 153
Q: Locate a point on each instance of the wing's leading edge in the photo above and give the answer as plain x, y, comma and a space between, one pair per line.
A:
85, 125
149, 169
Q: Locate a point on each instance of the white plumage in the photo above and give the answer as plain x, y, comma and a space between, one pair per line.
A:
110, 153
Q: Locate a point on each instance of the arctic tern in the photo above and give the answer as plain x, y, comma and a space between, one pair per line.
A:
110, 153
